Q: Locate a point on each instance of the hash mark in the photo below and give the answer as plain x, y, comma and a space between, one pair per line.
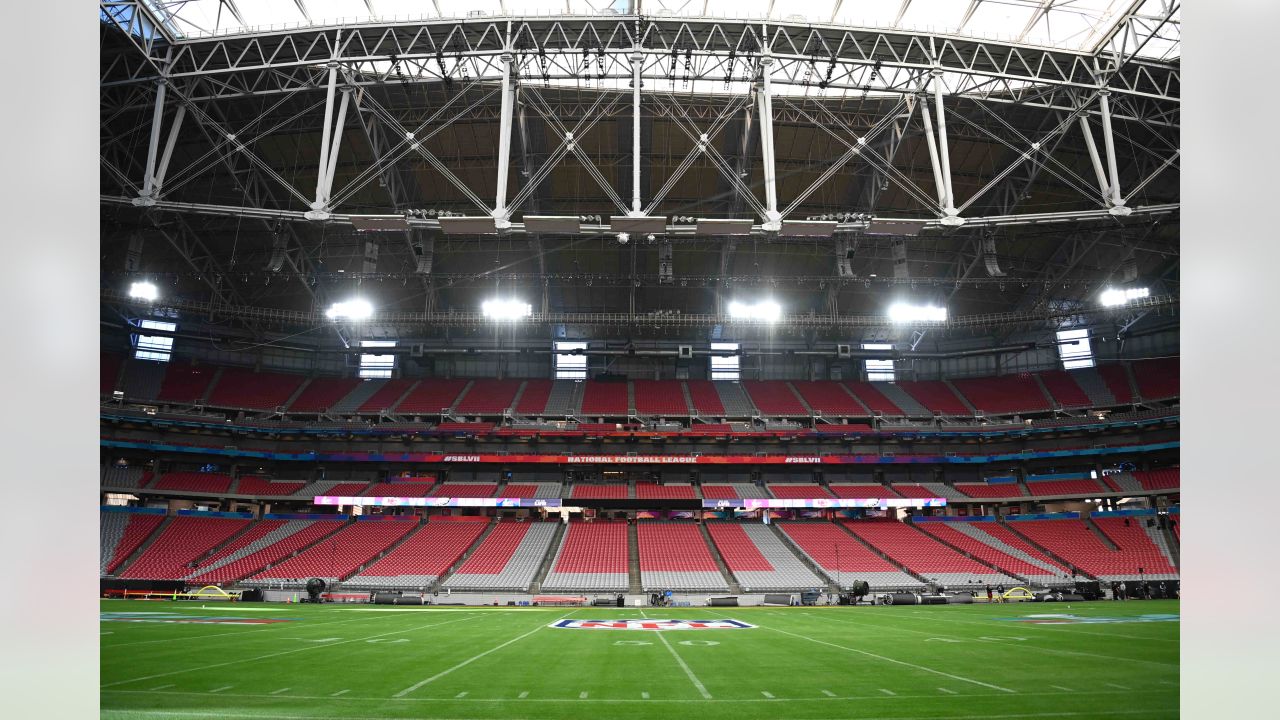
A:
1063, 689
582, 695
887, 692
828, 693
1118, 687
523, 695
281, 690
161, 687
949, 692
340, 692
460, 695
224, 687
644, 696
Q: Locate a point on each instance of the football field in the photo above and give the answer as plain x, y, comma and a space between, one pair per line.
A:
1027, 660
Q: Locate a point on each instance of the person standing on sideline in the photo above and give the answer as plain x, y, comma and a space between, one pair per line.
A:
988, 592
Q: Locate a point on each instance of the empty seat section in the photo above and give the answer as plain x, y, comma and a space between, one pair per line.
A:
240, 388
400, 489
733, 491
563, 399
385, 397
531, 490
1093, 385
936, 396
422, 558
654, 491
1117, 381
337, 555
170, 555
262, 487
895, 394
1000, 536
774, 398
942, 490
109, 370
592, 556
758, 560
507, 559
1157, 379
874, 400
193, 482
471, 490
1166, 479
913, 491
359, 395
594, 491
604, 398
431, 396
924, 555
120, 534
829, 398
342, 489
257, 534
1076, 486
488, 397
1003, 395
674, 556
1065, 390
705, 399
184, 383
985, 490
1135, 539
122, 477
659, 397
734, 400
533, 401
465, 427
863, 491
841, 556
798, 491
232, 564
321, 394
1005, 559
142, 379
1075, 543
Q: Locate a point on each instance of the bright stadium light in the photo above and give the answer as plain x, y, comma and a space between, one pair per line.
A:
766, 310
1113, 297
354, 309
143, 291
905, 313
506, 309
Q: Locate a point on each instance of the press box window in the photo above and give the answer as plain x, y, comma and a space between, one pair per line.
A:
725, 367
377, 366
1074, 349
878, 370
568, 365
154, 347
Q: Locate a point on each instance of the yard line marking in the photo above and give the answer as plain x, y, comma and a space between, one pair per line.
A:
1063, 689
1118, 687
281, 690
470, 660
989, 641
828, 693
340, 692
644, 696
258, 629
887, 692
523, 695
1050, 628
1006, 716
680, 661
162, 687
892, 660
239, 661
460, 695
224, 687
767, 694
949, 692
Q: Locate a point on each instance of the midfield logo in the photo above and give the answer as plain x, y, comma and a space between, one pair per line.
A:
650, 625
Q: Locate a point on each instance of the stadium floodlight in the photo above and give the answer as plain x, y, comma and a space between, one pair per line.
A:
143, 291
506, 309
765, 310
906, 313
354, 309
1113, 297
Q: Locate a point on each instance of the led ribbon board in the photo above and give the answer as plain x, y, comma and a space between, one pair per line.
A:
435, 501
758, 503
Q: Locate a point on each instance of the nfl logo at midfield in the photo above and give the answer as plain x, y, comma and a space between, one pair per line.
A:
648, 624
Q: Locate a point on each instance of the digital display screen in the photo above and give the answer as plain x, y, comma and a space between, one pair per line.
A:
436, 501
754, 503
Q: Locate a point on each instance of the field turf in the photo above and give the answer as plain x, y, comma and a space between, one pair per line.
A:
931, 663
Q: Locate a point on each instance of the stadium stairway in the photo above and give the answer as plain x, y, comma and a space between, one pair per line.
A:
310, 530
882, 554
963, 400
351, 402
735, 400
1102, 537
142, 548
1160, 538
942, 538
417, 527
549, 560
1093, 385
488, 530
982, 536
634, 581
729, 580
507, 560
903, 400
804, 558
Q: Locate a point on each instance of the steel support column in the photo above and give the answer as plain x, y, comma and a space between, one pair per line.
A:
158, 183
933, 154
1093, 155
772, 219
952, 216
326, 129
500, 213
637, 64
1117, 201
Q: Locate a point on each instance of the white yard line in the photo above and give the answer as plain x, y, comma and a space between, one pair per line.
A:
892, 660
949, 692
828, 693
767, 694
224, 687
259, 716
241, 661
340, 692
887, 692
680, 661
470, 660
257, 629
1070, 629
281, 690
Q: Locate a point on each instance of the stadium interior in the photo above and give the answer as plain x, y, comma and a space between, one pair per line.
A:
577, 304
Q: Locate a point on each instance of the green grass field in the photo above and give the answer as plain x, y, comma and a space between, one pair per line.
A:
930, 663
